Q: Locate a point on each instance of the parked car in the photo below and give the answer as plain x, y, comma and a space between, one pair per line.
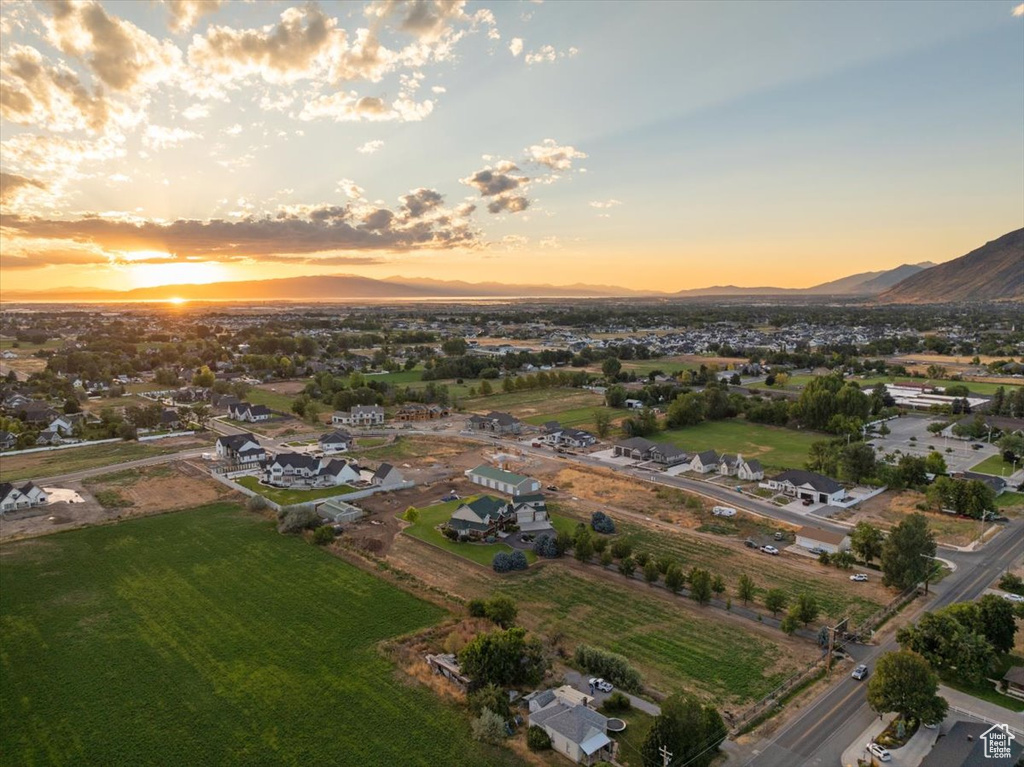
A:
818, 550
1013, 597
750, 544
779, 535
879, 752
770, 550
604, 686
860, 672
808, 501
723, 511
859, 577
552, 488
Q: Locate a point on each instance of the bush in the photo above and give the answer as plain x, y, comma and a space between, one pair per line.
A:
488, 727
490, 697
599, 545
616, 703
641, 558
297, 520
602, 523
1012, 583
477, 608
502, 562
621, 549
627, 566
412, 514
501, 610
607, 558
451, 533
323, 535
518, 560
546, 546
537, 739
256, 503
612, 667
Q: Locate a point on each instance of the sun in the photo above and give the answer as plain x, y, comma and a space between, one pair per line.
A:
177, 300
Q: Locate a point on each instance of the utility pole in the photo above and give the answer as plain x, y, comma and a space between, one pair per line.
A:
666, 755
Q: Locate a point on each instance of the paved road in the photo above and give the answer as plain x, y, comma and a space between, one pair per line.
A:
818, 736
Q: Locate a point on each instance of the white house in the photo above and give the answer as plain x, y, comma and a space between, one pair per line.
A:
705, 462
750, 471
337, 441
360, 415
241, 448
634, 404
503, 481
531, 513
24, 497
575, 729
818, 540
302, 470
387, 476
246, 411
807, 485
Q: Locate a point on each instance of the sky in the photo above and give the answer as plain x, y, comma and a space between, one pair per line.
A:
648, 145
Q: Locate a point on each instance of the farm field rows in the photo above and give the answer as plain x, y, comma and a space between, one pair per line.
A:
774, 446
204, 637
69, 460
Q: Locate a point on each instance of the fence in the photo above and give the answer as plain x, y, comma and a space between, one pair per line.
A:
869, 624
776, 696
986, 720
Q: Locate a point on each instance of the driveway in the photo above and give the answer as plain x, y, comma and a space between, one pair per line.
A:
579, 682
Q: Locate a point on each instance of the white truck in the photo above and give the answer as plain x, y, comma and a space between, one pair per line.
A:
723, 511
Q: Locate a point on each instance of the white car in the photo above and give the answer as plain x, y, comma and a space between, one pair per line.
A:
878, 752
770, 550
723, 511
604, 686
859, 577
1013, 597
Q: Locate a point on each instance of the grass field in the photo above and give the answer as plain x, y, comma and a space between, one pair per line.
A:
540, 405
580, 418
399, 378
274, 400
406, 448
204, 637
286, 497
773, 446
631, 740
995, 464
1010, 501
68, 460
425, 530
675, 647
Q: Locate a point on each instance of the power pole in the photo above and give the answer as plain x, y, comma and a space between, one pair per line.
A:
666, 755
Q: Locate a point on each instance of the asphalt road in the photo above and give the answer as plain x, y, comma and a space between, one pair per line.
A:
827, 726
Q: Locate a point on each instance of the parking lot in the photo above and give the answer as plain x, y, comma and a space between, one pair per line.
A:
961, 456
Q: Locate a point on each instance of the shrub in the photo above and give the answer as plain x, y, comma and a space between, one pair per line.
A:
297, 520
621, 549
451, 533
501, 610
537, 739
607, 558
545, 546
518, 560
616, 703
256, 503
825, 558
412, 514
599, 545
323, 535
641, 558
602, 523
488, 727
477, 608
1012, 583
627, 566
612, 667
490, 697
651, 573
502, 562
664, 562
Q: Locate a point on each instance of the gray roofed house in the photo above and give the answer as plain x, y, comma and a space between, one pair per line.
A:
668, 454
750, 470
965, 745
998, 485
7, 440
637, 448
499, 423
807, 485
576, 730
705, 461
387, 476
337, 441
235, 447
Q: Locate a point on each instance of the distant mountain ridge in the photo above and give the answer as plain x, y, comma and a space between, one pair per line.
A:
863, 284
993, 272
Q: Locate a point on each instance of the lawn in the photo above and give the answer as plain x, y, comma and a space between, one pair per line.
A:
274, 400
539, 405
773, 446
399, 378
1010, 501
287, 497
68, 460
582, 417
994, 464
204, 637
631, 740
984, 690
425, 529
675, 647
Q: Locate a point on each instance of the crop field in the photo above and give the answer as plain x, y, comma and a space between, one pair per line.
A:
69, 460
287, 497
836, 595
773, 446
674, 647
425, 530
545, 404
204, 637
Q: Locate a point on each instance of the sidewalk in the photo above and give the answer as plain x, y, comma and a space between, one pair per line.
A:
910, 755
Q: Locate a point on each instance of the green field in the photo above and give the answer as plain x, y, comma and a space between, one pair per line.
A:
775, 447
275, 401
425, 529
69, 460
287, 497
540, 405
675, 647
26, 349
631, 740
580, 418
399, 378
1010, 501
204, 637
995, 465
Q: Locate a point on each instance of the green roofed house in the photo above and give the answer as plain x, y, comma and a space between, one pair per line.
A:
503, 481
480, 518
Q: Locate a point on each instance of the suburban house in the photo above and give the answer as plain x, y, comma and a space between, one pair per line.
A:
224, 401
565, 436
705, 462
498, 423
1014, 679
997, 484
480, 518
503, 481
636, 448
359, 415
62, 424
337, 441
667, 454
49, 437
7, 440
169, 419
37, 411
302, 470
387, 476
750, 471
817, 540
531, 513
24, 497
807, 485
576, 730
240, 448
246, 411
966, 745
414, 411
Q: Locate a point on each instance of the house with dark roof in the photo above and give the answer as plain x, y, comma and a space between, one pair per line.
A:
636, 448
7, 440
667, 454
26, 496
240, 448
1014, 679
480, 517
557, 435
387, 476
336, 441
750, 471
807, 485
49, 437
967, 744
705, 462
496, 423
37, 411
304, 470
246, 411
503, 481
575, 729
998, 485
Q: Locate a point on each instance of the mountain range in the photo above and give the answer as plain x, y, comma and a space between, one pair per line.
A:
993, 272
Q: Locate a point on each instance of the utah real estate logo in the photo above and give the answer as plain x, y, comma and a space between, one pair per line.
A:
997, 741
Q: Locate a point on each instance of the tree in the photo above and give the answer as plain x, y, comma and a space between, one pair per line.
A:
651, 573
691, 731
201, 414
866, 541
718, 585
501, 610
505, 657
823, 457
615, 396
806, 608
857, 462
906, 552
947, 641
489, 697
602, 423
700, 585
602, 523
204, 377
675, 579
790, 623
488, 727
537, 739
935, 464
583, 546
643, 424
611, 368
323, 535
686, 410
745, 588
485, 388
996, 617
912, 471
884, 431
621, 548
412, 514
904, 683
455, 347
775, 600
627, 566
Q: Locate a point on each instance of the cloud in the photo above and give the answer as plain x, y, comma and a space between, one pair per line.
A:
508, 203
10, 183
160, 137
371, 147
350, 188
492, 181
556, 157
516, 46
350, 107
548, 53
120, 54
1019, 10
602, 204
183, 14
421, 201
196, 112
